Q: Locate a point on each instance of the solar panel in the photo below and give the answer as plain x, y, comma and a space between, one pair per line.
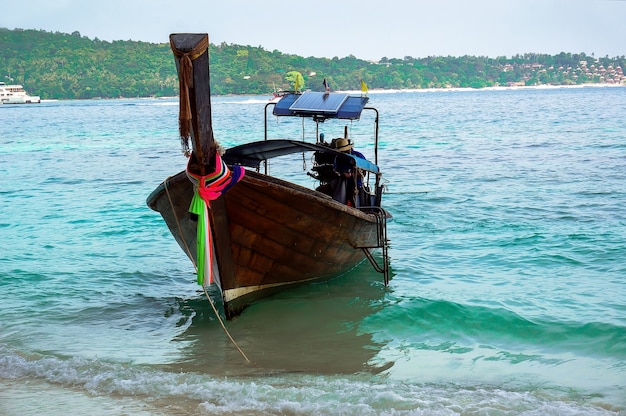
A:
319, 102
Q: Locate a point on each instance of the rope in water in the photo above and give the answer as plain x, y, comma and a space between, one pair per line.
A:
182, 237
224, 326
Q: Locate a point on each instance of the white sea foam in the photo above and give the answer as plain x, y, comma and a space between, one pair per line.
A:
101, 388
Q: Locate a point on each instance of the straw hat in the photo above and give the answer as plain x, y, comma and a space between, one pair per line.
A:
343, 145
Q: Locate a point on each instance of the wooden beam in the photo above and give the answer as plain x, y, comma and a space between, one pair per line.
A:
203, 142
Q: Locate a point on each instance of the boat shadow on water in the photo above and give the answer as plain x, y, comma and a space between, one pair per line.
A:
316, 328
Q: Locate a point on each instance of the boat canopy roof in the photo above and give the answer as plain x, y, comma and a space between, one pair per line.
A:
321, 105
252, 154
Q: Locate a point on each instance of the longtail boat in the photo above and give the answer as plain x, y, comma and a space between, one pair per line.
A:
252, 234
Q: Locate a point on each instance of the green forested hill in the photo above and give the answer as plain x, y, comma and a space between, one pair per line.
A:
67, 66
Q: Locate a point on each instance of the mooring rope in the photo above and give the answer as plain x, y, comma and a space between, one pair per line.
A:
180, 229
223, 326
182, 237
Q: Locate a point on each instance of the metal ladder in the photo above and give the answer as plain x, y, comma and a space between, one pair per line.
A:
382, 241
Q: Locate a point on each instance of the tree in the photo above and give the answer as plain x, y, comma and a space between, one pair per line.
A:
296, 79
69, 66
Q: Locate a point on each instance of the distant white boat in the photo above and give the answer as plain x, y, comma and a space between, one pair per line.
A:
15, 94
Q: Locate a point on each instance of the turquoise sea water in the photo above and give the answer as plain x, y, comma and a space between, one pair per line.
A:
508, 257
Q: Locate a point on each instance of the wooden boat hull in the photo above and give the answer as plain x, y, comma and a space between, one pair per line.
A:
269, 234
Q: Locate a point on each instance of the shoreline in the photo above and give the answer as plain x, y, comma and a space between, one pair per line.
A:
495, 88
377, 91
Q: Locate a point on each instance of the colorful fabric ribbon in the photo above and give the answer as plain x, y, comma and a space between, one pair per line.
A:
208, 188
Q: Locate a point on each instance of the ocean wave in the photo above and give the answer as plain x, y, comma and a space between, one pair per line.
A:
423, 320
164, 392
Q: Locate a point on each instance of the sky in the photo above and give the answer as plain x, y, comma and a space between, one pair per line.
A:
366, 29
